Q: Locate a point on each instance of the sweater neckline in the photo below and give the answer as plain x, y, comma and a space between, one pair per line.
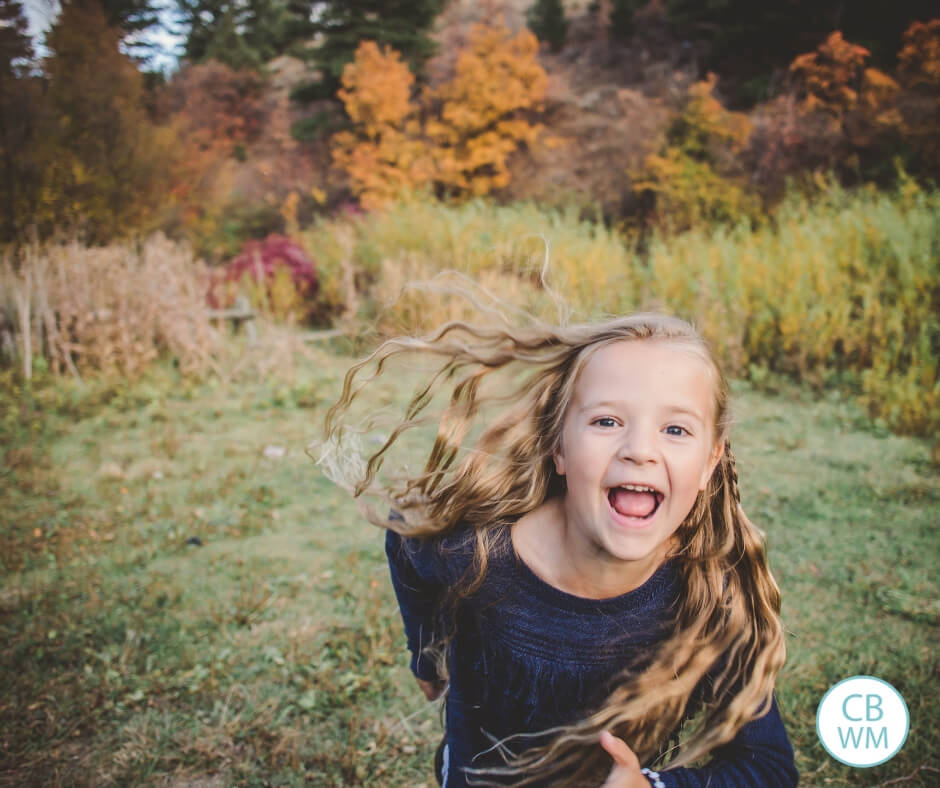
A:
654, 589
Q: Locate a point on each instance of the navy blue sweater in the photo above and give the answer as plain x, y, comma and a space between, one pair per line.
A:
527, 657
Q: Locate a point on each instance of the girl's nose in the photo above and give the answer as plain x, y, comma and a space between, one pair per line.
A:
638, 446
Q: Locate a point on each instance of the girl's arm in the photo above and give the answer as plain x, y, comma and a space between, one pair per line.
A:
760, 756
417, 579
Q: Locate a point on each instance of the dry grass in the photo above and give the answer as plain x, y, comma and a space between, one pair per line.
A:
110, 309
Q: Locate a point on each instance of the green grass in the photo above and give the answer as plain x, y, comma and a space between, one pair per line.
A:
272, 654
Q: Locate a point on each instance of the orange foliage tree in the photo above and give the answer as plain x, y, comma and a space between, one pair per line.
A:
836, 82
919, 71
919, 58
383, 154
831, 77
217, 113
458, 137
482, 117
854, 107
869, 116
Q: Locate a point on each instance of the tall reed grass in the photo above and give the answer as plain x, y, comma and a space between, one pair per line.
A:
841, 288
502, 247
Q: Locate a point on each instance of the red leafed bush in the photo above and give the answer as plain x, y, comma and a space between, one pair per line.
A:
275, 274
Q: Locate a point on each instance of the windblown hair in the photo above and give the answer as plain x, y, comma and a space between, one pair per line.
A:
727, 630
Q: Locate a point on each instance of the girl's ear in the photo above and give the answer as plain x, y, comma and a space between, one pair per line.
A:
559, 457
713, 459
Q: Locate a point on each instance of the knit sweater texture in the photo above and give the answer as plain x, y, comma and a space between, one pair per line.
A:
527, 657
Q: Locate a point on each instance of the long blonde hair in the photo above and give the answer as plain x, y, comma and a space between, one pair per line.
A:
727, 625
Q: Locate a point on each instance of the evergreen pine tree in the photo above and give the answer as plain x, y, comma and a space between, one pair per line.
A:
242, 33
343, 24
546, 18
132, 18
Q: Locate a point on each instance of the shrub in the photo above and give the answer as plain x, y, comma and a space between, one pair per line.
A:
367, 262
276, 275
688, 192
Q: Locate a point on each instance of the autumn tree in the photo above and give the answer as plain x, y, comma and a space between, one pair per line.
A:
831, 77
106, 170
919, 73
384, 153
854, 107
218, 114
919, 58
483, 115
697, 176
459, 137
217, 111
749, 41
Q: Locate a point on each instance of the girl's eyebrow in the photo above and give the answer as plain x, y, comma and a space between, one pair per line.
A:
607, 403
673, 409
687, 412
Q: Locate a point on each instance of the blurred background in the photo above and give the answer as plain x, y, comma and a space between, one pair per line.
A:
210, 208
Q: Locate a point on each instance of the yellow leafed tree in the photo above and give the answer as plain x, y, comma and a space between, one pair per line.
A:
482, 116
472, 125
384, 154
696, 177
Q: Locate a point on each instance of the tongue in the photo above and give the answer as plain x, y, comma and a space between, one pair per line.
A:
632, 504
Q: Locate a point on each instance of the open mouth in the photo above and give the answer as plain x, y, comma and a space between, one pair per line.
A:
635, 500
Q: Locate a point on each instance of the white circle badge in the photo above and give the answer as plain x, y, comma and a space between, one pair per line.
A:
862, 721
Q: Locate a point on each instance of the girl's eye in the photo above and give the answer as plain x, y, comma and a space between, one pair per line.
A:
605, 421
675, 429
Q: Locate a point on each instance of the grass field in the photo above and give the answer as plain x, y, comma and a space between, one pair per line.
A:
187, 601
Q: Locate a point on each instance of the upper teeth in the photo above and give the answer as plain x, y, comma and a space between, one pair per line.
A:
637, 488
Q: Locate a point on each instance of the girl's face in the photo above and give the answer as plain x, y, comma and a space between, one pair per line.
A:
638, 443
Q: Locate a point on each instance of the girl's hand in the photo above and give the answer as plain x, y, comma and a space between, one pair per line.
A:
432, 689
626, 770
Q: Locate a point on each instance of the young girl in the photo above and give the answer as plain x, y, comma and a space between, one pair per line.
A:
580, 578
